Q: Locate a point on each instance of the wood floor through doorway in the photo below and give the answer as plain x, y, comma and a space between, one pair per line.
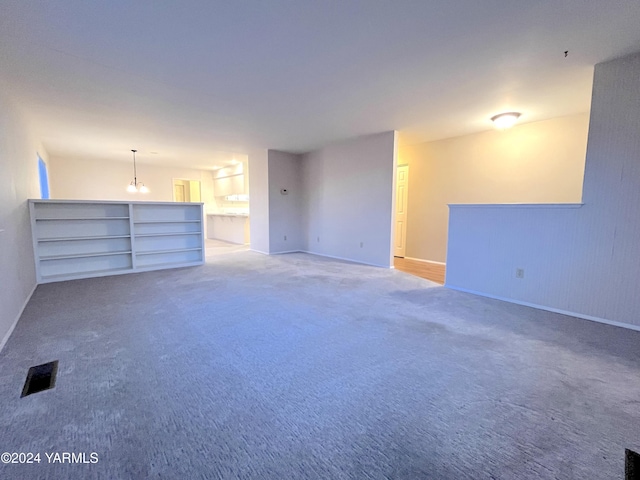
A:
429, 270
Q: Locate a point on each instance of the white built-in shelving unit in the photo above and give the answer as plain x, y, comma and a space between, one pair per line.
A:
82, 239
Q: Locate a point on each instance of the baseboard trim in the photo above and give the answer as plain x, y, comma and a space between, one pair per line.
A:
15, 322
346, 259
323, 255
425, 261
548, 309
258, 251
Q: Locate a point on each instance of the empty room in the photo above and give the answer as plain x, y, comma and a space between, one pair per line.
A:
320, 240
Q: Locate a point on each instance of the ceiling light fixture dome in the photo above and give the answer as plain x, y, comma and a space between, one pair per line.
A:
505, 120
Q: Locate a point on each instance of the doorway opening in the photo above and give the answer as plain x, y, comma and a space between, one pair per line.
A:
186, 190
400, 218
428, 270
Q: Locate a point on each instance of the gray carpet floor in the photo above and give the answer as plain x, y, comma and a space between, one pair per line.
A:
296, 367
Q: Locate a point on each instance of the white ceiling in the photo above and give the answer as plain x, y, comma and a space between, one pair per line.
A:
198, 80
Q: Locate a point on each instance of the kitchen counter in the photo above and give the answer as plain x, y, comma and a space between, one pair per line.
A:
228, 227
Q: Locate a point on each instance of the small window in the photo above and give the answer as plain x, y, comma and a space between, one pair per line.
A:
44, 178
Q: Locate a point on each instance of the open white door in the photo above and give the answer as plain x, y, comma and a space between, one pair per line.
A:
400, 234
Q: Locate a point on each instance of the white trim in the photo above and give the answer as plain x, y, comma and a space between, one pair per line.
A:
38, 200
15, 322
227, 241
322, 255
345, 259
257, 251
425, 261
549, 309
515, 205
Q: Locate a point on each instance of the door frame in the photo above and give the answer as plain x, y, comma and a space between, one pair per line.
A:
395, 212
173, 182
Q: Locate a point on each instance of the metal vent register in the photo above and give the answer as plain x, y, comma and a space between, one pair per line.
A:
39, 378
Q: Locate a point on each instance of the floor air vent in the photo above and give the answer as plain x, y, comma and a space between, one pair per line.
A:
631, 465
41, 377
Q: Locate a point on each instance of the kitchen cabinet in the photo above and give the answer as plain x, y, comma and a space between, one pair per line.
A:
232, 185
229, 228
230, 180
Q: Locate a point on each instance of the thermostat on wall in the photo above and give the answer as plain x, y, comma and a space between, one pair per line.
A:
284, 191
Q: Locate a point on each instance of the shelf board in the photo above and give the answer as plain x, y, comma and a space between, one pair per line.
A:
97, 237
167, 234
66, 219
141, 222
160, 266
177, 250
84, 255
90, 273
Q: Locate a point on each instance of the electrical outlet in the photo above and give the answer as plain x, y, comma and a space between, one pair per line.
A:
285, 238
519, 272
361, 244
318, 239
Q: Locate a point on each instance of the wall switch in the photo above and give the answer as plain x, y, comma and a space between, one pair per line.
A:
519, 272
285, 238
361, 244
318, 239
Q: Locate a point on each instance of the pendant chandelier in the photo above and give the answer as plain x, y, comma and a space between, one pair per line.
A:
135, 185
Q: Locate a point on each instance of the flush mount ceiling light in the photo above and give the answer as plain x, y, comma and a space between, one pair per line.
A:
505, 120
135, 185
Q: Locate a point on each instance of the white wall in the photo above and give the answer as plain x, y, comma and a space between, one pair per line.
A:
94, 179
259, 201
285, 211
19, 181
581, 260
539, 162
348, 199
